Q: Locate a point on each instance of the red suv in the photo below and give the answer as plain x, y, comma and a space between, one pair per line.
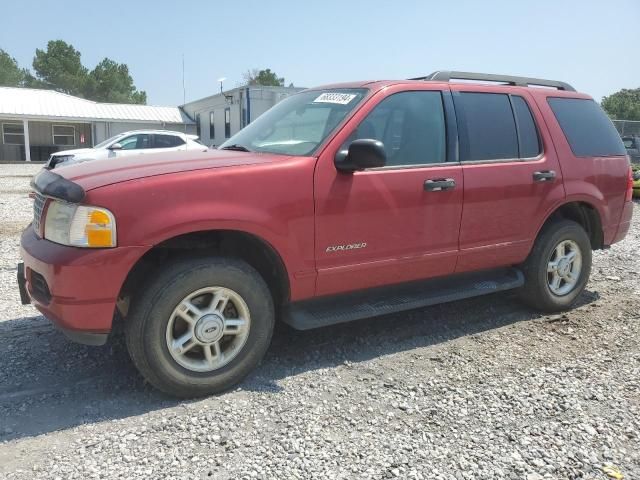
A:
339, 203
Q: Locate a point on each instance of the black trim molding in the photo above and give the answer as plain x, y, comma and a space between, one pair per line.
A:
53, 185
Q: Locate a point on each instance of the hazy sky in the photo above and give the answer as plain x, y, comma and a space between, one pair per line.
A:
592, 44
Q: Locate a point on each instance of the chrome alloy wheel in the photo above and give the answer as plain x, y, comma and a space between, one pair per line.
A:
208, 329
564, 267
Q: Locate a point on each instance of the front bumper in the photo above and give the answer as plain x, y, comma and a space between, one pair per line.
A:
75, 288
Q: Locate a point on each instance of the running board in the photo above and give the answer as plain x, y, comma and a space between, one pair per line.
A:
331, 310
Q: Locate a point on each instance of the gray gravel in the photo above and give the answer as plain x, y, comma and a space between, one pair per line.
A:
479, 389
16, 211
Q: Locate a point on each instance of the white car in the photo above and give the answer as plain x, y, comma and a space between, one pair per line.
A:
128, 144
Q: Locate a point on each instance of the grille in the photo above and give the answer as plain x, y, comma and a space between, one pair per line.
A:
38, 208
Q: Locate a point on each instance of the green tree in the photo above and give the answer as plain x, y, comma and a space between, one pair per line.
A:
263, 77
111, 82
623, 105
11, 75
59, 68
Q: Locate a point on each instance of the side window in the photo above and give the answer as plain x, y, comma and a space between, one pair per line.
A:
527, 132
167, 141
486, 126
212, 126
198, 128
64, 135
227, 122
129, 143
410, 124
136, 142
589, 131
13, 133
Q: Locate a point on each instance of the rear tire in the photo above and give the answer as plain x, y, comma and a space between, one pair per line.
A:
557, 269
201, 326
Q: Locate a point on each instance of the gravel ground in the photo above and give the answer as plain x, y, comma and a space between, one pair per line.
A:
479, 389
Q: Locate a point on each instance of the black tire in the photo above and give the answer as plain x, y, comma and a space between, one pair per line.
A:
536, 291
146, 324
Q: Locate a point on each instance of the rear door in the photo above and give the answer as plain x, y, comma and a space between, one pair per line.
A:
393, 224
512, 177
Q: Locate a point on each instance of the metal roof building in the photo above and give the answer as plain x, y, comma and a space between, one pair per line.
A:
34, 123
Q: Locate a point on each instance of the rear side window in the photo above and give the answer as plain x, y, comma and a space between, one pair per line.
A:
167, 141
589, 131
486, 126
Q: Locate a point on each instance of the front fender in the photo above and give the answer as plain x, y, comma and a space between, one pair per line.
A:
272, 203
161, 225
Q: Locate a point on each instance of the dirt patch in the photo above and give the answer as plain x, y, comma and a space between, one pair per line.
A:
9, 229
26, 191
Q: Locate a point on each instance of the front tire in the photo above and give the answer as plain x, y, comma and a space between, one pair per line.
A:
557, 269
201, 326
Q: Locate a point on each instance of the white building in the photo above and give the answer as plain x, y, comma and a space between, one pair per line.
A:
220, 116
34, 123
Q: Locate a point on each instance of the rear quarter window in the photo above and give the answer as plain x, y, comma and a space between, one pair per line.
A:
587, 128
527, 131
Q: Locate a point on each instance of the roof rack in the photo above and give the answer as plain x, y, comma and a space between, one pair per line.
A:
447, 76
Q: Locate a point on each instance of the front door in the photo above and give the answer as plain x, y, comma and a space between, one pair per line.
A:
396, 223
135, 144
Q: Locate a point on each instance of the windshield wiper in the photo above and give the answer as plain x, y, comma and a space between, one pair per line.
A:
236, 147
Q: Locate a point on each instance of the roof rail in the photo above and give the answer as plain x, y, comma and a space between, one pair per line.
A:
447, 76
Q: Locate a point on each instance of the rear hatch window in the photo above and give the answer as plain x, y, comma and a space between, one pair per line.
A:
588, 129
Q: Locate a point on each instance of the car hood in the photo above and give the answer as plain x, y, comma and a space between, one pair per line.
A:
77, 151
98, 173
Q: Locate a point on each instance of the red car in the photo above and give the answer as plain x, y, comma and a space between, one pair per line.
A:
339, 203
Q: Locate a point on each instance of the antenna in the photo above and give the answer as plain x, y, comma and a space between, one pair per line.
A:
221, 79
184, 100
184, 89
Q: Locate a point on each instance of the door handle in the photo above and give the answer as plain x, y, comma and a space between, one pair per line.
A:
439, 184
544, 176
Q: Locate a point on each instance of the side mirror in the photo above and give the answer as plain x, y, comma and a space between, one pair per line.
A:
362, 153
115, 146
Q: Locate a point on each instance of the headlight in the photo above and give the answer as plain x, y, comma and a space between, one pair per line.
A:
80, 225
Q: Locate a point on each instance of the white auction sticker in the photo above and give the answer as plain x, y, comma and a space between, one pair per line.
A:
339, 98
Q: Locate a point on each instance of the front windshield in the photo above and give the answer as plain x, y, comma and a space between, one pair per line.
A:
298, 124
108, 141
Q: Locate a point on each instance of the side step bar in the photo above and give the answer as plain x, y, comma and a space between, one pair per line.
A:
331, 310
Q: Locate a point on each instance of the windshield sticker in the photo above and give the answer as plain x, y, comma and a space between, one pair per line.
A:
339, 98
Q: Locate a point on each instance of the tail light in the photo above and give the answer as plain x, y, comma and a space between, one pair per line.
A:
629, 195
